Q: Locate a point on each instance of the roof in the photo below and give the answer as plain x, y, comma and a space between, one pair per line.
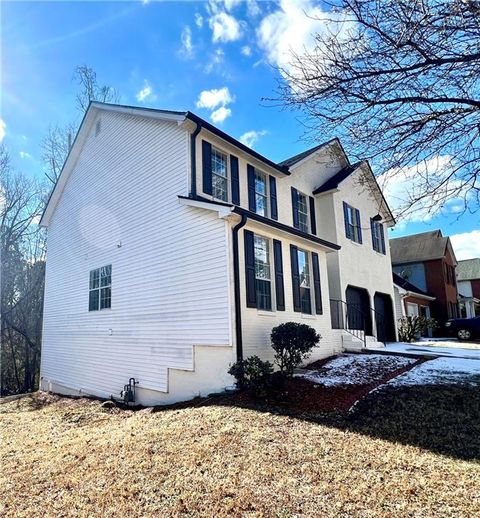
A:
468, 269
426, 246
297, 158
337, 179
408, 286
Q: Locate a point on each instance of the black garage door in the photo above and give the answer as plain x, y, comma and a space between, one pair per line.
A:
358, 309
384, 319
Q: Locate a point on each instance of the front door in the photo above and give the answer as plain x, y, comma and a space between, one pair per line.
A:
358, 309
384, 317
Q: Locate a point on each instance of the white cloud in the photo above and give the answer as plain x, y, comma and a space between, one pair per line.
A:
218, 116
466, 245
292, 28
246, 50
216, 60
224, 27
24, 155
251, 137
187, 45
3, 128
198, 20
146, 93
210, 99
253, 9
230, 4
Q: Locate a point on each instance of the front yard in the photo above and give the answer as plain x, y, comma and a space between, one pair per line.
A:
405, 449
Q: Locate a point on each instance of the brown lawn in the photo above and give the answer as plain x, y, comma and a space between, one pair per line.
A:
61, 457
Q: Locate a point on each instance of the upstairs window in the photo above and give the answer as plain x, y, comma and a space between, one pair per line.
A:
305, 286
353, 228
219, 175
378, 236
302, 212
100, 295
263, 277
261, 197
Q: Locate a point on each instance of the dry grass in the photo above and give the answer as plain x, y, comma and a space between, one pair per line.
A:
61, 457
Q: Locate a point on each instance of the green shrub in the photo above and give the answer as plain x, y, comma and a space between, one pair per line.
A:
411, 327
292, 343
253, 374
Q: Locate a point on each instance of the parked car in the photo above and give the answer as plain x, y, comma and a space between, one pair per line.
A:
464, 328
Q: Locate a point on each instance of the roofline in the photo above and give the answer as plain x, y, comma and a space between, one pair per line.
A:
231, 140
316, 149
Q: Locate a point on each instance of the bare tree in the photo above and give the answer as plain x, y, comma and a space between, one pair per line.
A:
399, 80
57, 142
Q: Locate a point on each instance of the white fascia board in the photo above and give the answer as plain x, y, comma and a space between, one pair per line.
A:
140, 112
222, 210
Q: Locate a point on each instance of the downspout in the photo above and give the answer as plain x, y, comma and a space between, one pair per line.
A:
193, 159
236, 287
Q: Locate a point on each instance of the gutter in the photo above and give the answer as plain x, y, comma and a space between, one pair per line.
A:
193, 159
236, 288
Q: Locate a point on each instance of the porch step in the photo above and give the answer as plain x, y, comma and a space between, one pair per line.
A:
353, 344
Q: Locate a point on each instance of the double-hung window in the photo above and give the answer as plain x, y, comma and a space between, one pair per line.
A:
263, 276
219, 175
261, 194
305, 285
378, 236
352, 223
100, 293
302, 212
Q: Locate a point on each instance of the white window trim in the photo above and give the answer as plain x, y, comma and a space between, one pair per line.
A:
268, 312
300, 193
311, 286
227, 175
266, 195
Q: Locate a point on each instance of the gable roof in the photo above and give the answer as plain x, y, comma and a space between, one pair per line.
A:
288, 162
468, 269
337, 179
403, 283
426, 246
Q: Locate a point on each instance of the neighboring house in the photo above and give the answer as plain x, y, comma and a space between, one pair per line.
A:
410, 300
173, 250
468, 282
427, 261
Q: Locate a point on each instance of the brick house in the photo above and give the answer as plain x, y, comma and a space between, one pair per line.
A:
427, 261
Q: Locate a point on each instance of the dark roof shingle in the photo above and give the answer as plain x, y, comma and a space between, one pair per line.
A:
426, 246
337, 179
468, 269
403, 283
296, 158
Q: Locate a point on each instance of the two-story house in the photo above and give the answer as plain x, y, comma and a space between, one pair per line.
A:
174, 249
468, 282
427, 261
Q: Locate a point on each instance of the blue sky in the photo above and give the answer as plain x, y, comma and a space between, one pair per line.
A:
164, 55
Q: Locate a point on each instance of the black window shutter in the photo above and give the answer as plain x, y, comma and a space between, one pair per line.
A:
316, 284
382, 237
279, 288
273, 198
250, 269
359, 225
207, 166
347, 224
251, 188
235, 180
374, 237
313, 219
297, 306
296, 224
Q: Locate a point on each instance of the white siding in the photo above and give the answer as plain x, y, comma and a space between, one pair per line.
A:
170, 271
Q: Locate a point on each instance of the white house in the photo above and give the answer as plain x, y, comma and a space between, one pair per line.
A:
173, 250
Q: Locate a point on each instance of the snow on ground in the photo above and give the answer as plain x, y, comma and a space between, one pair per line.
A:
424, 349
355, 369
441, 371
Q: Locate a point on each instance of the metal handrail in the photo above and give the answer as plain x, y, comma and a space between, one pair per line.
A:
343, 314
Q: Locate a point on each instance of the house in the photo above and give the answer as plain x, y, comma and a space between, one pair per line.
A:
174, 249
410, 300
468, 282
427, 261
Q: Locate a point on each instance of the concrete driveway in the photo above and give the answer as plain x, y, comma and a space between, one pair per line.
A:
436, 348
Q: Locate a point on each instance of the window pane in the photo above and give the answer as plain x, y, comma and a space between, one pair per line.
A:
306, 300
261, 204
262, 258
302, 213
303, 269
106, 275
260, 183
264, 294
219, 187
94, 279
219, 163
105, 298
93, 303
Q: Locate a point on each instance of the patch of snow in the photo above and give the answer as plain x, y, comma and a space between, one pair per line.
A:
424, 349
441, 371
355, 369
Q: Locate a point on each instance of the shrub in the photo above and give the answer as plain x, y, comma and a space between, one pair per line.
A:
292, 343
412, 326
253, 374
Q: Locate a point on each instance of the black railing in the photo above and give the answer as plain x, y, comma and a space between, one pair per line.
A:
350, 318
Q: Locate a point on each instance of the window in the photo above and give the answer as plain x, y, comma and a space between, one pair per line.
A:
412, 309
378, 236
261, 199
263, 278
352, 223
302, 212
305, 291
219, 175
100, 295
